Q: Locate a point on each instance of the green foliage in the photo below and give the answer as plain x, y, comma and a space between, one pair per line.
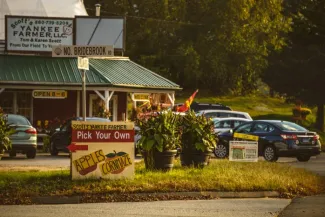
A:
160, 132
5, 132
220, 45
197, 133
46, 144
221, 175
298, 71
305, 111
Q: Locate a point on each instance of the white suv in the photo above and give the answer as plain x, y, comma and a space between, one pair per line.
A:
224, 114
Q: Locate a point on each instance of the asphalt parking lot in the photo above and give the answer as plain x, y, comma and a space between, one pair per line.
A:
44, 161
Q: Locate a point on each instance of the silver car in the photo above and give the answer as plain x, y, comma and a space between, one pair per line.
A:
225, 124
24, 139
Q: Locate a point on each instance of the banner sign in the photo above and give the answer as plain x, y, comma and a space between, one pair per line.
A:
82, 51
243, 151
102, 150
50, 94
245, 136
37, 34
141, 96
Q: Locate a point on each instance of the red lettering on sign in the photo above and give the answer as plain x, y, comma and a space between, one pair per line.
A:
102, 136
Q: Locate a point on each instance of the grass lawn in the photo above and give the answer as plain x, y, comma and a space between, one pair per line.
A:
260, 108
220, 175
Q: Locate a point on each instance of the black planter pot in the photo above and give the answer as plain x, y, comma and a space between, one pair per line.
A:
161, 160
195, 158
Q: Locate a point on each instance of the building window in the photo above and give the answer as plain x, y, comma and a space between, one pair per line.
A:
7, 101
24, 105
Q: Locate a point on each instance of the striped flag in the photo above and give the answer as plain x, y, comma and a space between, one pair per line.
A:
187, 104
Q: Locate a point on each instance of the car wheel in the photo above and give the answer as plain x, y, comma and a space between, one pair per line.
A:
303, 158
31, 153
269, 153
12, 153
221, 151
53, 150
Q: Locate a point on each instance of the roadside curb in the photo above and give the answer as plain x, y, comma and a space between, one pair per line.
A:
171, 195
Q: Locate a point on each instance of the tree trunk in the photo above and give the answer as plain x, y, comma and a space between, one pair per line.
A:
320, 117
272, 92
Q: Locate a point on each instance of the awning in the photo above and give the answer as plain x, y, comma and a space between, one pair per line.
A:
115, 72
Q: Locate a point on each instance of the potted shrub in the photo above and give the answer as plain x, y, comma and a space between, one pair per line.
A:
160, 138
197, 141
5, 131
304, 112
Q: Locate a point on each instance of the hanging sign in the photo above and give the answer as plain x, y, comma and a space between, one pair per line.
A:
50, 94
141, 96
244, 151
83, 63
84, 51
37, 34
102, 150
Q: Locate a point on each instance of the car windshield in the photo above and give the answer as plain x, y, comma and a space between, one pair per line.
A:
289, 126
17, 120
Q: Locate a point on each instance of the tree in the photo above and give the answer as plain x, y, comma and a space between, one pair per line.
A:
298, 71
219, 45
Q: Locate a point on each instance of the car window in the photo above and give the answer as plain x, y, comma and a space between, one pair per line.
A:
211, 114
289, 126
64, 127
246, 128
223, 124
18, 120
262, 128
237, 123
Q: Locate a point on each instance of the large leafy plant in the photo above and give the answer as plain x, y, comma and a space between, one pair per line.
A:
159, 132
197, 133
5, 131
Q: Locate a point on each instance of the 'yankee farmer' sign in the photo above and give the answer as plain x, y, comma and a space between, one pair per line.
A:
102, 150
37, 34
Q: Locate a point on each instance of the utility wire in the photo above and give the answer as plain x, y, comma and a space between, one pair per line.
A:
154, 19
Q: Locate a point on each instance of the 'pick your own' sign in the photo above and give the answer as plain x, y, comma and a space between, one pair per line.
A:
102, 150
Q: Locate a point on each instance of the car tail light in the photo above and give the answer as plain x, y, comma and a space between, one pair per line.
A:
290, 136
31, 131
316, 137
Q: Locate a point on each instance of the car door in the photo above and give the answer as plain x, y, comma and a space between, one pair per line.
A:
63, 137
264, 132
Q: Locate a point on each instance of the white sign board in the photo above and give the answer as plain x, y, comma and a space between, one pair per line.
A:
85, 51
100, 31
244, 151
37, 34
83, 63
102, 150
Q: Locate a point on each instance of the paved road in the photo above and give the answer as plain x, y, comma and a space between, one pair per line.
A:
315, 164
222, 207
308, 206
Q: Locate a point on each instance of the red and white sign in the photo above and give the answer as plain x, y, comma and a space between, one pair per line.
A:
102, 150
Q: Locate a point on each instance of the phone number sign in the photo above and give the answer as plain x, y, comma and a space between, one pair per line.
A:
37, 34
102, 150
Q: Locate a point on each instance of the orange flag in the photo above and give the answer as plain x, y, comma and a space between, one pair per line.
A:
187, 104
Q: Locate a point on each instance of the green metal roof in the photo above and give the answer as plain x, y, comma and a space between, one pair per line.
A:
128, 73
43, 70
64, 71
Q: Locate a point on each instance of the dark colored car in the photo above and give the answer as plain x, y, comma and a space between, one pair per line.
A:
276, 139
24, 139
196, 107
61, 139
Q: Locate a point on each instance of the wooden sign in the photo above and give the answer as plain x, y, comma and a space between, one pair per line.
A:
102, 150
50, 94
